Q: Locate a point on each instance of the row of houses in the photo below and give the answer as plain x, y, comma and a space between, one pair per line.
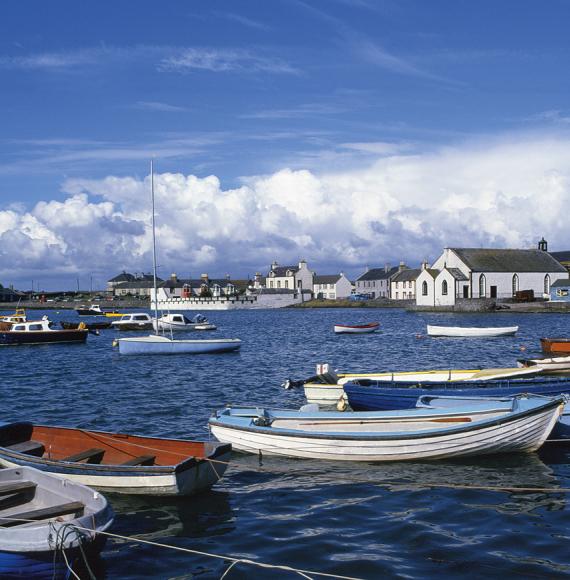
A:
458, 273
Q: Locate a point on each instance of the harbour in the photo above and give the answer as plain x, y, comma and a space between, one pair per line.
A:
360, 521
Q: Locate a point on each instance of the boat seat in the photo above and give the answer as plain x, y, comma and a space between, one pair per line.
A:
9, 487
89, 455
42, 514
141, 460
34, 448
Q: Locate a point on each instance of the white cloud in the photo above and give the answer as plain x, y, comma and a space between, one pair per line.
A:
507, 193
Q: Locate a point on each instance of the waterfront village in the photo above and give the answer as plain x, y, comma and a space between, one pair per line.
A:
459, 276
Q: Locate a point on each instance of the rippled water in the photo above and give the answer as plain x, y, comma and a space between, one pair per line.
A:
360, 520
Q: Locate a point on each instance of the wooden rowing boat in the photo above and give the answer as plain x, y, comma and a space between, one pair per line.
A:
555, 345
115, 462
356, 329
522, 424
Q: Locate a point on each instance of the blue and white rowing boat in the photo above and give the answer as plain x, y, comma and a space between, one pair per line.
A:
520, 424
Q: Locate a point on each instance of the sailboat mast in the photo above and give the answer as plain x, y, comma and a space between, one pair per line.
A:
153, 242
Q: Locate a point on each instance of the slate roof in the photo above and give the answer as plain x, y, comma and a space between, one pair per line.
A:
281, 271
195, 283
409, 274
135, 284
457, 274
123, 277
561, 256
563, 283
327, 279
377, 274
433, 273
499, 260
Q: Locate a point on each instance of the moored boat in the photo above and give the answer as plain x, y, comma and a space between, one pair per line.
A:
158, 344
379, 396
356, 329
98, 325
18, 316
180, 322
91, 310
551, 365
471, 332
38, 515
39, 332
115, 462
326, 387
555, 345
520, 425
134, 321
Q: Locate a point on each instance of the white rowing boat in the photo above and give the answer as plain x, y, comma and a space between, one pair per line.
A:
356, 329
558, 364
471, 331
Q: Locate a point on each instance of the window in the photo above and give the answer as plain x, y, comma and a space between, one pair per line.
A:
515, 284
547, 284
278, 283
35, 326
444, 288
271, 283
482, 286
286, 283
424, 288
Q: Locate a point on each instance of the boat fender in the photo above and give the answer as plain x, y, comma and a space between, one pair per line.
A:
342, 403
115, 343
82, 326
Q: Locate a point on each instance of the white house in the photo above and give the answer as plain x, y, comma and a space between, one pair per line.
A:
403, 283
376, 281
290, 277
487, 273
332, 287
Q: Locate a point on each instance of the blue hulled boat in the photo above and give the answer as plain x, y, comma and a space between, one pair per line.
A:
368, 395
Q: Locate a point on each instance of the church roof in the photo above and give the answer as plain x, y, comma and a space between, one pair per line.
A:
499, 260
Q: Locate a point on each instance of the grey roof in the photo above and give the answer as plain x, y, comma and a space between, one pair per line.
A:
563, 256
433, 273
195, 282
499, 260
563, 283
327, 279
409, 274
457, 274
377, 274
135, 284
281, 271
123, 277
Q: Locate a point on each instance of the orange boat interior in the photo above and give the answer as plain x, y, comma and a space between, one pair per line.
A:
78, 445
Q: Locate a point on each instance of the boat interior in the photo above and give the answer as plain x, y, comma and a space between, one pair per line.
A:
97, 447
24, 503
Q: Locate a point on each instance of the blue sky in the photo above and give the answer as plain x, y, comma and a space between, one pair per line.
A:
354, 104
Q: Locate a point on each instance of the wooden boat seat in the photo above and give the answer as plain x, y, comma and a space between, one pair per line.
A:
42, 514
141, 460
89, 456
34, 448
9, 487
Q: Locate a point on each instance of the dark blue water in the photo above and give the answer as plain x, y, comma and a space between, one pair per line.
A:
360, 520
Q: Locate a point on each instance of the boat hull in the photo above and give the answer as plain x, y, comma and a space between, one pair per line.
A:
131, 325
43, 337
379, 397
466, 332
361, 329
520, 432
163, 345
555, 345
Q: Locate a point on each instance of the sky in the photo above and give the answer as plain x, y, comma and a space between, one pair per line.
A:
348, 133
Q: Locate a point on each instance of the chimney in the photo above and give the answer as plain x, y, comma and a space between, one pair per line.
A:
274, 264
204, 277
367, 268
425, 264
173, 277
301, 262
228, 277
401, 267
386, 267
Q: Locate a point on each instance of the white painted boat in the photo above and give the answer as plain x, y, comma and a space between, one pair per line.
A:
37, 519
180, 322
159, 344
519, 425
327, 388
558, 364
356, 329
18, 316
134, 321
471, 331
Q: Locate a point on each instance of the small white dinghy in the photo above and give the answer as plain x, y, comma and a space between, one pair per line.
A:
471, 331
356, 329
557, 364
37, 519
520, 424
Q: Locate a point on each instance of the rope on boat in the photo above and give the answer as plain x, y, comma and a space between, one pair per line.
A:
234, 561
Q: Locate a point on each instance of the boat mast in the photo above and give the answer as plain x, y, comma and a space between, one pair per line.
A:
153, 243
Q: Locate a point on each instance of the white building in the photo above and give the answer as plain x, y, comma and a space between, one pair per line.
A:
403, 283
332, 287
375, 282
290, 277
486, 273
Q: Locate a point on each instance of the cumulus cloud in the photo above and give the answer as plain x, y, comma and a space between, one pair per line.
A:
503, 193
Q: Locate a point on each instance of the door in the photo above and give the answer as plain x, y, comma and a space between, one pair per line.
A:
465, 291
493, 291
